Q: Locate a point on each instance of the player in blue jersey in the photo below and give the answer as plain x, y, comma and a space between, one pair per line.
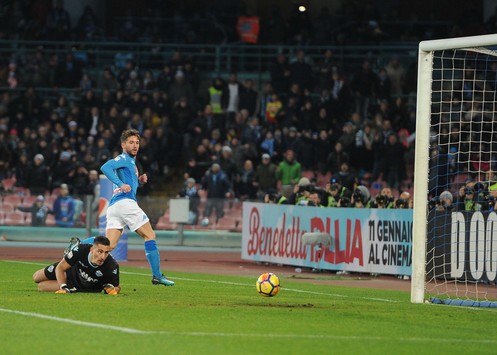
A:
123, 208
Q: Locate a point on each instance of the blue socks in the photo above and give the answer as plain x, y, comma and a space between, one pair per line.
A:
88, 240
153, 257
151, 252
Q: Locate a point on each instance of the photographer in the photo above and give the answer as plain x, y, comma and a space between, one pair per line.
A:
387, 193
445, 202
361, 198
301, 192
379, 202
275, 199
404, 200
336, 192
467, 200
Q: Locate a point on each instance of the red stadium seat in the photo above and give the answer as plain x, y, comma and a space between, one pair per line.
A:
8, 184
15, 218
28, 200
13, 199
50, 220
7, 207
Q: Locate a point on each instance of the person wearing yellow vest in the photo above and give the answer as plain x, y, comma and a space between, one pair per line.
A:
216, 96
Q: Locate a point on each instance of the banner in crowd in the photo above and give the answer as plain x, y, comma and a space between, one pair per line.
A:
363, 240
462, 246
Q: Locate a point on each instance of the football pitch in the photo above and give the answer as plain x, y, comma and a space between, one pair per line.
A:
218, 314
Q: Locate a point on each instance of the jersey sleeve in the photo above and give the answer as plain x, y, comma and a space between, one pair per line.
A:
112, 274
74, 255
110, 167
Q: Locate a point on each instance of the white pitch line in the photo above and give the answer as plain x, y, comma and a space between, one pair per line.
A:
76, 322
251, 335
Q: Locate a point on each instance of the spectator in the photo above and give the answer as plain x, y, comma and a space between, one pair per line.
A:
189, 191
218, 187
301, 71
397, 74
58, 22
38, 176
181, 88
21, 170
365, 86
64, 170
324, 68
348, 177
394, 171
68, 73
289, 172
248, 97
227, 163
39, 211
273, 107
244, 184
265, 178
336, 158
280, 74
64, 208
233, 89
88, 27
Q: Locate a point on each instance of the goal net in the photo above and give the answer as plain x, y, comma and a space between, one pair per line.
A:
455, 182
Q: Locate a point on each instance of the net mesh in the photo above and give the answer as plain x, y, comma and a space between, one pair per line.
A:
461, 260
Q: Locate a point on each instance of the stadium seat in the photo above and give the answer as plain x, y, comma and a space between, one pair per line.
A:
164, 223
50, 220
7, 207
15, 218
28, 200
13, 199
8, 184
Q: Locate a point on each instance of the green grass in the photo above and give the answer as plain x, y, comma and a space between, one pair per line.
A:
213, 314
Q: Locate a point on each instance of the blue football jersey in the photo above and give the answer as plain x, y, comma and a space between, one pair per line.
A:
122, 170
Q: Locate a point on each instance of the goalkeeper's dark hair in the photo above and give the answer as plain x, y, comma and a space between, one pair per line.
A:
101, 240
129, 133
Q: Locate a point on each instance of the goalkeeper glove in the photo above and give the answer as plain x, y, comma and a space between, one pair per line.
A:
63, 289
110, 289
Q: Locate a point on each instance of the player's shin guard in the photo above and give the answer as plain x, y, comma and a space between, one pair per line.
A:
153, 257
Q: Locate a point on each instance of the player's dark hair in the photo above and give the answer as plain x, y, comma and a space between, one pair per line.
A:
129, 133
101, 240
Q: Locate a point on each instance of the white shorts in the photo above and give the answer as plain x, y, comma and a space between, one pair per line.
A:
125, 213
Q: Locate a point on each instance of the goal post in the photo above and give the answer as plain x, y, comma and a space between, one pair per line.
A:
443, 98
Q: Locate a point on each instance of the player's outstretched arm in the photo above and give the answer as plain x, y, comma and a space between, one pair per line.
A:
60, 274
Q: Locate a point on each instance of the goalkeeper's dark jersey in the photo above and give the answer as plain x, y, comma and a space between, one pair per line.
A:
86, 277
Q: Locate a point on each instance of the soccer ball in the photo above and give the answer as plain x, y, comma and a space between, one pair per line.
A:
268, 284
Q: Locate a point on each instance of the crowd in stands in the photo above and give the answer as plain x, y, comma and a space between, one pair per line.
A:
310, 127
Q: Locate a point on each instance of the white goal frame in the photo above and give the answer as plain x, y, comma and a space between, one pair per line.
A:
421, 160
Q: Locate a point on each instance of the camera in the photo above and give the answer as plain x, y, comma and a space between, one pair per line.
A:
381, 200
344, 202
358, 196
434, 202
401, 203
334, 187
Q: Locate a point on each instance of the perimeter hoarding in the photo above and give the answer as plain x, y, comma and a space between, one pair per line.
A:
363, 240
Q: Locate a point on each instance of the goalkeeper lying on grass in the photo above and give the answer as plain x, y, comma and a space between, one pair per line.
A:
84, 268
